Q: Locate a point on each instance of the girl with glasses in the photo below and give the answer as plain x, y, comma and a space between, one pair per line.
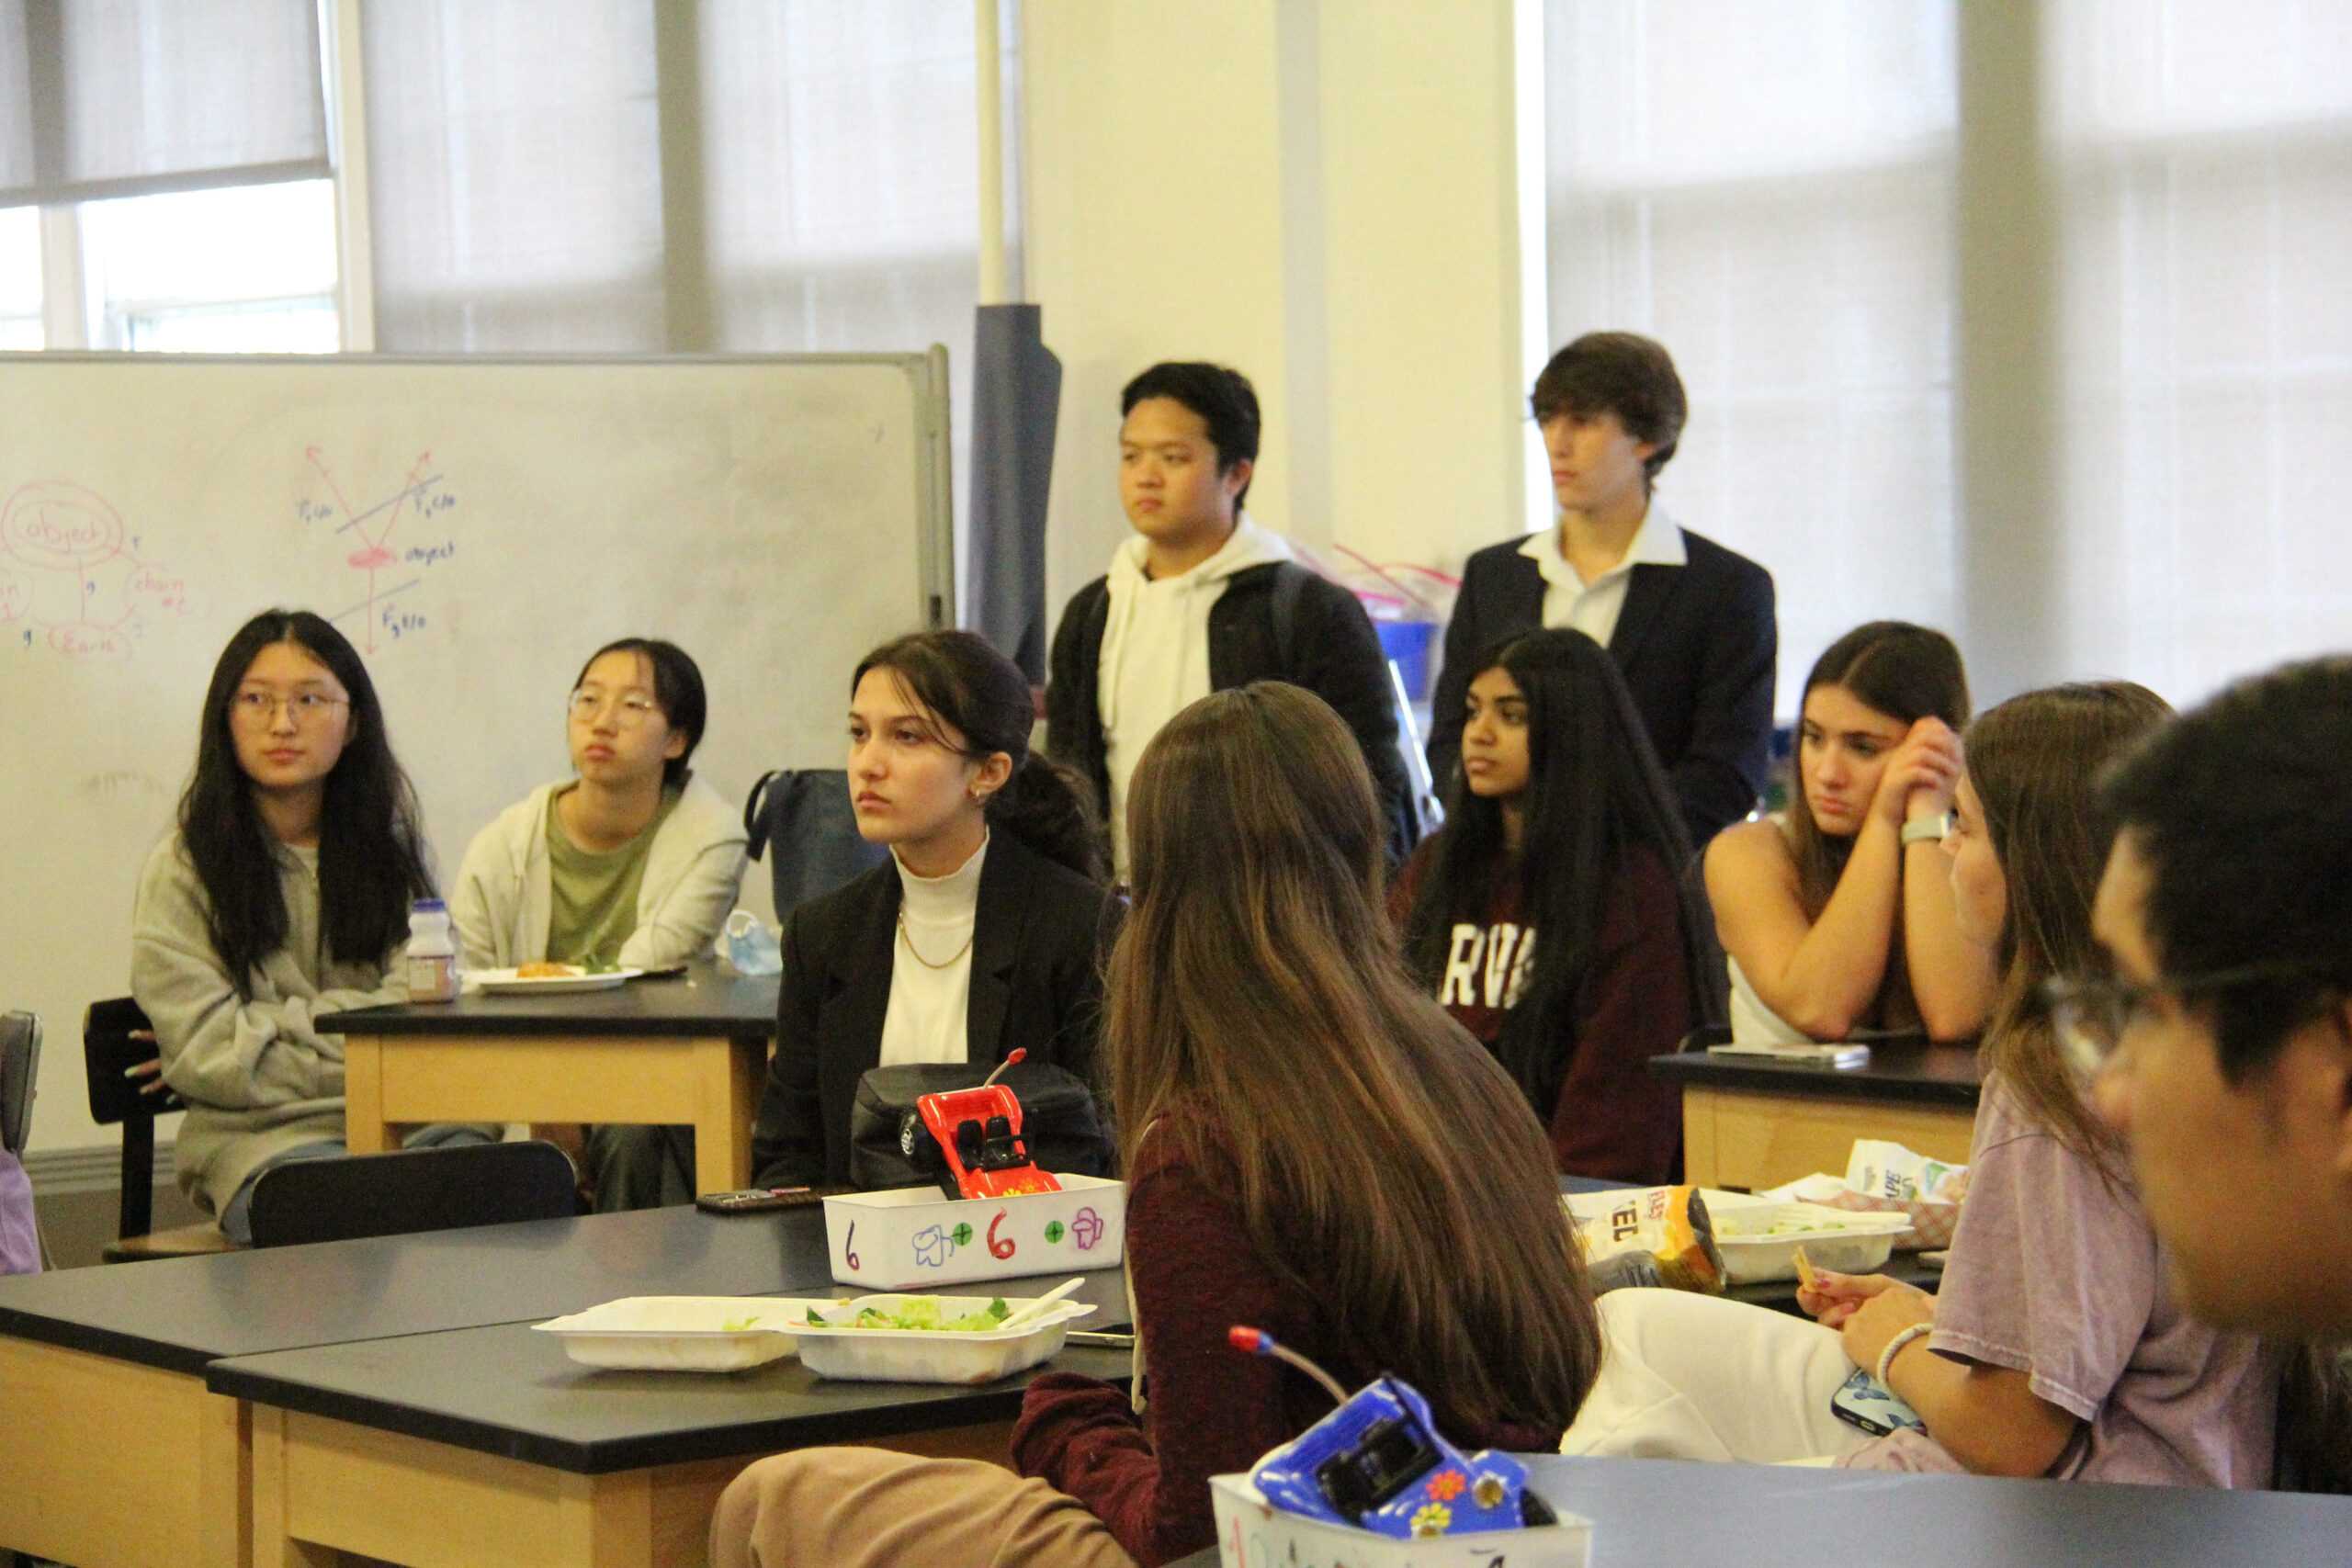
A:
632, 862
2055, 1347
283, 895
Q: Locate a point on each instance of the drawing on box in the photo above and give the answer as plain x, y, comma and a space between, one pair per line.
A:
366, 535
69, 570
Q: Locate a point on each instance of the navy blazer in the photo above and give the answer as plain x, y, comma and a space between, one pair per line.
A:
1696, 643
1036, 982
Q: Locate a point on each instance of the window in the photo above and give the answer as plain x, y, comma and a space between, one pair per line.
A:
245, 270
20, 285
1774, 204
1785, 206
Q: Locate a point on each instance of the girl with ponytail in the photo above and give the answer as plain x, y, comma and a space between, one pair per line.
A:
983, 933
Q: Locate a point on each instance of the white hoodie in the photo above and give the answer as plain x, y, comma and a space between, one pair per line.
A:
1155, 659
502, 903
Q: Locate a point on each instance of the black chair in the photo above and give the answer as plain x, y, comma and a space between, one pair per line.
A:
350, 1196
109, 1053
20, 1077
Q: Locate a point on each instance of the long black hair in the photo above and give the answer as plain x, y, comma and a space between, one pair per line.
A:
971, 687
1595, 792
371, 848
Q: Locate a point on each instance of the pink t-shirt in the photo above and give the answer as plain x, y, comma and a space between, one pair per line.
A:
2056, 1274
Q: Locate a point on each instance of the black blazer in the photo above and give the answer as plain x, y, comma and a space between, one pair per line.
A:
1036, 982
1696, 643
1334, 653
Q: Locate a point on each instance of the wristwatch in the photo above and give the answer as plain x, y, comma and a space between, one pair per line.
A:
1926, 830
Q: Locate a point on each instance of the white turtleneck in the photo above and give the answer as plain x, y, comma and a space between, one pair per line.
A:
928, 1006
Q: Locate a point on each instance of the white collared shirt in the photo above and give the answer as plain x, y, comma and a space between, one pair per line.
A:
1593, 607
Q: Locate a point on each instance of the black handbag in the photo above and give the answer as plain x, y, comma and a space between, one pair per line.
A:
889, 1146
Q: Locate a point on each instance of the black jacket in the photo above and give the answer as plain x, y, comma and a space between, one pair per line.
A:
1037, 946
1338, 658
1696, 643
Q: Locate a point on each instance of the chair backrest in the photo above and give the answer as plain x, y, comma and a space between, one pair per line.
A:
20, 1073
805, 814
109, 1053
412, 1190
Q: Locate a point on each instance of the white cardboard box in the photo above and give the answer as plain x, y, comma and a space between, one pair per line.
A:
1251, 1533
914, 1239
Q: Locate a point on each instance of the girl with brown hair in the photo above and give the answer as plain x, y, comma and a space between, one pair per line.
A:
1312, 1147
1836, 915
2056, 1346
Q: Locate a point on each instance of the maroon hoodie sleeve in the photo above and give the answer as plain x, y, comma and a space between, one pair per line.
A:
1615, 1117
1211, 1409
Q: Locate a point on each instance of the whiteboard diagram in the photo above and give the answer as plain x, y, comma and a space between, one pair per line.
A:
70, 576
365, 532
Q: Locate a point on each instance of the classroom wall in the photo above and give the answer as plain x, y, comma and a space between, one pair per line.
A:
1325, 195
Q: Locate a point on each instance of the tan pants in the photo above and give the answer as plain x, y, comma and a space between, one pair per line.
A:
849, 1507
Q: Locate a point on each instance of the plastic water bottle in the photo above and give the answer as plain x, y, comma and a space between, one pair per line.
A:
751, 946
431, 953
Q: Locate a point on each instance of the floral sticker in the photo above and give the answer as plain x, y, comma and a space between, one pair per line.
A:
1430, 1519
1447, 1484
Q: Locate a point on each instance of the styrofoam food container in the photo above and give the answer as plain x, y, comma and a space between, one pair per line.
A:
1842, 1239
1252, 1533
910, 1355
917, 1238
682, 1334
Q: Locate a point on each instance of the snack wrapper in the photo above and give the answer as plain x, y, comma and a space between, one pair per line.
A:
1886, 1177
1668, 1225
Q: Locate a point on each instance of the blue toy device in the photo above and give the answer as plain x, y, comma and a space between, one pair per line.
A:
1377, 1464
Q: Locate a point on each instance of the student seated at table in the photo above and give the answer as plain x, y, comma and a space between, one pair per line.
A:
283, 895
633, 860
2055, 1347
982, 935
1561, 826
2221, 1004
1836, 915
1312, 1147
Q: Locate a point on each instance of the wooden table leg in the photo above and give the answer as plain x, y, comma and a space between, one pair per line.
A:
365, 1130
726, 1096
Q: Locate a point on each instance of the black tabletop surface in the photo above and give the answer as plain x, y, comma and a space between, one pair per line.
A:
180, 1313
704, 1001
1924, 1074
514, 1391
1650, 1513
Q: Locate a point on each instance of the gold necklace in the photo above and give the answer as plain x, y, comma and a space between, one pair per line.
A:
908, 938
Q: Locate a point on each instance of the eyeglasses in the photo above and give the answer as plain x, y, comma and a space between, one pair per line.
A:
2091, 1013
261, 707
630, 709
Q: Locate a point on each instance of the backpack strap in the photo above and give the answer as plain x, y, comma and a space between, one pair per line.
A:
1290, 581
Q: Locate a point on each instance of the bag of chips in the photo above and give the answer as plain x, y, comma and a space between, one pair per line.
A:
1648, 1236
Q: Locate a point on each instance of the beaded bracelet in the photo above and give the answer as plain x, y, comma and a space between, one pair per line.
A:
1886, 1357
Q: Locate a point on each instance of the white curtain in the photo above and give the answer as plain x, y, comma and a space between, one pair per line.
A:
1780, 200
514, 166
1769, 194
2202, 150
102, 98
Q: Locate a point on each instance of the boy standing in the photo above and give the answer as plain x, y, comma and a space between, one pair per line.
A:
1202, 600
1689, 623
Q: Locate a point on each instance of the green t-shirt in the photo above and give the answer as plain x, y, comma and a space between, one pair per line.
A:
591, 898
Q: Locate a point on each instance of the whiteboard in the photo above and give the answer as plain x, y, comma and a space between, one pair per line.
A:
477, 528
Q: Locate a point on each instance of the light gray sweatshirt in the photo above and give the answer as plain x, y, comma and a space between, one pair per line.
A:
258, 1076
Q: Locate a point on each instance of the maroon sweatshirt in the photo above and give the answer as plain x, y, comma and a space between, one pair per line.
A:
1212, 1410
1614, 1118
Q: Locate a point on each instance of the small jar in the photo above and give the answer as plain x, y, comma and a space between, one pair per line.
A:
431, 953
